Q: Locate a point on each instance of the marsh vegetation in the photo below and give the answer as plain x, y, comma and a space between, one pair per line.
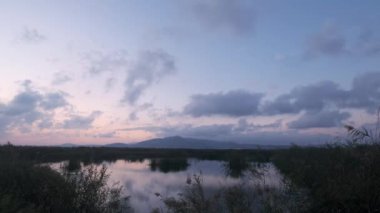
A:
28, 187
337, 177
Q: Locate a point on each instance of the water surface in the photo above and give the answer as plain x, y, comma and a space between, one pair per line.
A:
142, 180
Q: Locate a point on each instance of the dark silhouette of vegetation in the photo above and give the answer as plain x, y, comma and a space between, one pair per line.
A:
72, 165
27, 188
166, 165
336, 177
92, 193
99, 154
244, 197
339, 177
33, 188
192, 199
235, 165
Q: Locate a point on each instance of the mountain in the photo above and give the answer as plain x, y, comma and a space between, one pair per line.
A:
178, 142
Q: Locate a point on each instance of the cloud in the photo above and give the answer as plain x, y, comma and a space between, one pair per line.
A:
327, 42
204, 131
105, 135
30, 107
4, 123
149, 68
321, 103
110, 82
233, 103
98, 62
22, 103
313, 97
323, 119
133, 116
318, 97
364, 94
368, 44
241, 132
46, 122
60, 78
330, 41
54, 100
31, 35
208, 131
244, 126
237, 16
81, 122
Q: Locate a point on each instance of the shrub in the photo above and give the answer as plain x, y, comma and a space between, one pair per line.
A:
29, 188
341, 177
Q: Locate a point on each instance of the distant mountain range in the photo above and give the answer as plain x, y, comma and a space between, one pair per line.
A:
177, 142
184, 143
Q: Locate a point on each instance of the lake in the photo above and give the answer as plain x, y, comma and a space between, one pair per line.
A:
144, 179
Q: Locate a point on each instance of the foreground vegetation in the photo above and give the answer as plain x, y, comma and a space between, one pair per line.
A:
32, 188
248, 195
26, 185
338, 177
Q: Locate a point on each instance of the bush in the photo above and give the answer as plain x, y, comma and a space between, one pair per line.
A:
29, 188
92, 193
340, 177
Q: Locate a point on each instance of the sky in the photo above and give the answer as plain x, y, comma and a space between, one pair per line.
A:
248, 71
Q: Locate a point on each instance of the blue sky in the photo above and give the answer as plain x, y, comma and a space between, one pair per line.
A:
250, 71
